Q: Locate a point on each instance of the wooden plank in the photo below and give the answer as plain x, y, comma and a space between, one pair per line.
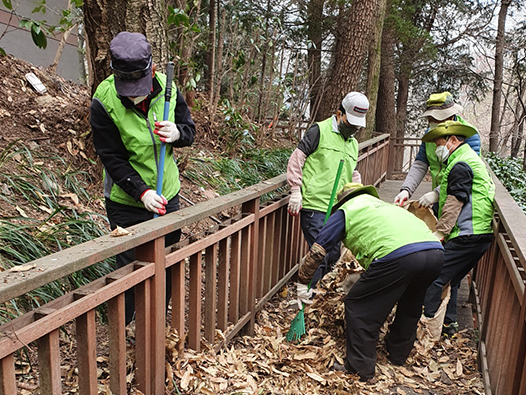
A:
154, 252
49, 364
277, 253
143, 337
194, 310
12, 341
260, 264
87, 353
7, 375
202, 244
223, 275
235, 272
210, 292
55, 266
285, 243
117, 345
269, 247
178, 300
244, 284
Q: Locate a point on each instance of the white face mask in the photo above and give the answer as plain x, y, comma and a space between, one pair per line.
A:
433, 125
442, 153
138, 99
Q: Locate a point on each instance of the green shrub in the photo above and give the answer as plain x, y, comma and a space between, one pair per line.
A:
509, 171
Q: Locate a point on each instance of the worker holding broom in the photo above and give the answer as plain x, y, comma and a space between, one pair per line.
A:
401, 258
129, 139
327, 149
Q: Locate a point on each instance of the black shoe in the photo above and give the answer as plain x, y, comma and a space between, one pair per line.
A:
345, 369
450, 330
339, 367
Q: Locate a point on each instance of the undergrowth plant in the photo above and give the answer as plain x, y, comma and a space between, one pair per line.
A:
510, 172
28, 176
252, 166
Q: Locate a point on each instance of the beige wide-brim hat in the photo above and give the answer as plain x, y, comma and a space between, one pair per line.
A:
351, 190
441, 106
449, 128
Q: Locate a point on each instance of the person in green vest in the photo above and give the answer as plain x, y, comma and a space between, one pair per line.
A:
312, 169
465, 214
440, 107
127, 138
401, 258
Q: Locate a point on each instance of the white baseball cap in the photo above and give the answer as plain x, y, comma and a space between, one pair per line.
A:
356, 106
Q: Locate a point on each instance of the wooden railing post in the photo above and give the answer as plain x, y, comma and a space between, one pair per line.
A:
250, 235
154, 252
117, 344
49, 364
7, 375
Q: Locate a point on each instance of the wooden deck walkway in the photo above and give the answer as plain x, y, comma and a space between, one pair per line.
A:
388, 190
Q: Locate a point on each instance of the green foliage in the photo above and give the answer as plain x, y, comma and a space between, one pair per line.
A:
227, 175
510, 172
238, 130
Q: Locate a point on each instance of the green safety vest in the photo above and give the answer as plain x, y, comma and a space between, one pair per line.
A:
320, 168
374, 228
476, 215
142, 145
435, 166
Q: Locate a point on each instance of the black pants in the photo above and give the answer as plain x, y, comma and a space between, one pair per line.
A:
311, 224
461, 254
371, 299
125, 216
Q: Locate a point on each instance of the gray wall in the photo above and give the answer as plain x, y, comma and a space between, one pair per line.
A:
18, 41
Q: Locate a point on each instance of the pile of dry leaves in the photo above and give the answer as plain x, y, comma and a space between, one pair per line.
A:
267, 364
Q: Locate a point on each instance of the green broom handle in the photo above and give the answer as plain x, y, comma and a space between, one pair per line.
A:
334, 189
331, 201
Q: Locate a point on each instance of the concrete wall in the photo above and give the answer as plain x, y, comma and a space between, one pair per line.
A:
18, 42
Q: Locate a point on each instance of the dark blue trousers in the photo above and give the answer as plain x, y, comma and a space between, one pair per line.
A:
311, 224
125, 216
371, 299
461, 254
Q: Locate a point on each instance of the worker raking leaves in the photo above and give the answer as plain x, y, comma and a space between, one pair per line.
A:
401, 258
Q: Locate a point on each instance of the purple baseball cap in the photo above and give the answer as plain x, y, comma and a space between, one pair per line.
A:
131, 63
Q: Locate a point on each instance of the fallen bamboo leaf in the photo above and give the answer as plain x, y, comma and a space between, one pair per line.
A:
118, 231
22, 268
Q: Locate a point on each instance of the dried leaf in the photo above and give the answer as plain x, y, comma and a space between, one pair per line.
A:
21, 212
317, 377
118, 231
22, 268
459, 368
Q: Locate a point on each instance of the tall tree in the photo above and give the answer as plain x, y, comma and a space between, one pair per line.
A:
315, 37
103, 19
497, 83
349, 51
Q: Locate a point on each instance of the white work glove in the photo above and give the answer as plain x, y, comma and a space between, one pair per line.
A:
303, 293
401, 197
167, 131
153, 202
439, 235
428, 199
294, 202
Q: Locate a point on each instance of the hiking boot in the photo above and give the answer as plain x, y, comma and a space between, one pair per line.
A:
450, 330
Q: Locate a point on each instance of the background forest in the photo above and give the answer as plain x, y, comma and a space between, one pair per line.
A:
294, 60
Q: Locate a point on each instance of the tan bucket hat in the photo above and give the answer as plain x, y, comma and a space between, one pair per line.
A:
449, 128
441, 106
351, 190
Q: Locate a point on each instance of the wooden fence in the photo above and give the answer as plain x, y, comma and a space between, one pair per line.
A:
498, 289
218, 282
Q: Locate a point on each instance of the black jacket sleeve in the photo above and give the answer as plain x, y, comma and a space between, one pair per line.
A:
309, 143
113, 153
460, 181
184, 122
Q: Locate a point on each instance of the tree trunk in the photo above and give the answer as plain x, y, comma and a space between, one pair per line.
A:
350, 49
385, 109
211, 55
497, 84
373, 70
103, 19
315, 36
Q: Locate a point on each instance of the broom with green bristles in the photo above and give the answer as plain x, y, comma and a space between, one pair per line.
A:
297, 326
